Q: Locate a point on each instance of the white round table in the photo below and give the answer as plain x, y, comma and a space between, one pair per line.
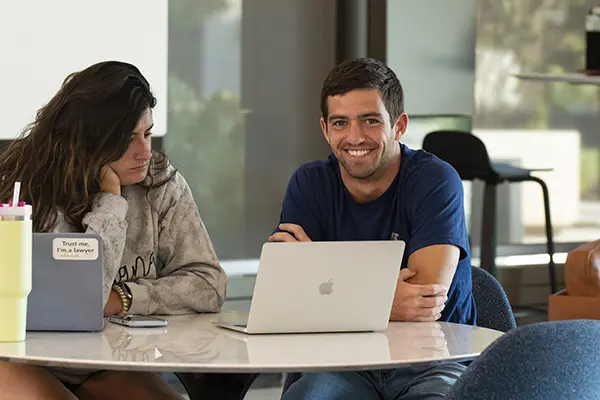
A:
191, 343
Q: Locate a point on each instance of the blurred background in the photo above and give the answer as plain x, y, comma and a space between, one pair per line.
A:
244, 79
238, 86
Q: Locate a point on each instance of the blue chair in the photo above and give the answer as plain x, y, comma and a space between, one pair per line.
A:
493, 309
546, 360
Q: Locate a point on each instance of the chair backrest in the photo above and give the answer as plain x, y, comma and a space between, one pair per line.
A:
463, 150
545, 360
493, 308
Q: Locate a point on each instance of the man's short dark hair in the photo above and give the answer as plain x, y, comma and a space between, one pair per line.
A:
364, 73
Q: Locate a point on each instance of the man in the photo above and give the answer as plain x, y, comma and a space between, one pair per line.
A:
374, 188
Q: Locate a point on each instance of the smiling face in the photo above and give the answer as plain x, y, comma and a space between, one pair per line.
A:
132, 168
361, 135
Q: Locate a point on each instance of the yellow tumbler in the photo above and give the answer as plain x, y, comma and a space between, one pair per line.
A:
15, 270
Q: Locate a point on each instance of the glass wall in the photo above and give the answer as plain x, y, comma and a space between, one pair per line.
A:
463, 64
243, 107
536, 124
205, 133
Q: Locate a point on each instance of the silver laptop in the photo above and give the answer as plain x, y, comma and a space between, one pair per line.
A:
323, 287
67, 282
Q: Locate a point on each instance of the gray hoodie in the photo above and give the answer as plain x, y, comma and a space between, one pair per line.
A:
156, 242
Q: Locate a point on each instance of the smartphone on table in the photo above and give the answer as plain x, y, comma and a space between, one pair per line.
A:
138, 321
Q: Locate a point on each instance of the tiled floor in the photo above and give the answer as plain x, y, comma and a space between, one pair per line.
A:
263, 394
265, 387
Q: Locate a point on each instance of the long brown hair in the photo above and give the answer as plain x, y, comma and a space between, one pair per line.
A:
86, 125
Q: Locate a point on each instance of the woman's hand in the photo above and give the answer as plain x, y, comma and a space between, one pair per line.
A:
114, 305
109, 181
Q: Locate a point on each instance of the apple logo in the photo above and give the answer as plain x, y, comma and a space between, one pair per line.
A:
326, 288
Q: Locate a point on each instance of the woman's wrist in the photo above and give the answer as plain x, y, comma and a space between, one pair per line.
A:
111, 189
125, 297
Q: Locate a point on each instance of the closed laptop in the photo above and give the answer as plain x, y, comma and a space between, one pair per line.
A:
67, 283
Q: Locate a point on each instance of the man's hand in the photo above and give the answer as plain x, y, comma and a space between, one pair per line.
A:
114, 305
419, 303
290, 233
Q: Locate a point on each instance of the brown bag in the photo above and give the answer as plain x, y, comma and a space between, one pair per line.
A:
582, 270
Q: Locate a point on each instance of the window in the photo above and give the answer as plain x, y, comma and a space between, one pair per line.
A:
205, 131
540, 125
243, 107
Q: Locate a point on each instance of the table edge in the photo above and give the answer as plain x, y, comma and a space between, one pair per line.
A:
209, 368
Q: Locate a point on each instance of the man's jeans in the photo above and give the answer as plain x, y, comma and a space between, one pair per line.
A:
431, 381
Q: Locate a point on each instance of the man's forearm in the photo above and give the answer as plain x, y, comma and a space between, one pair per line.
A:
434, 265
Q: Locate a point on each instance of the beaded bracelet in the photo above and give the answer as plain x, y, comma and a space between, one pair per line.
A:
125, 301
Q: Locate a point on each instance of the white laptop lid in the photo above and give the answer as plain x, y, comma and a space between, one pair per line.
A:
325, 286
67, 282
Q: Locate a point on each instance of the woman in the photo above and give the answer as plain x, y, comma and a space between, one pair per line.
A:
86, 165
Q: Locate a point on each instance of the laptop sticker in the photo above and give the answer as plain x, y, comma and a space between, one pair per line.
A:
75, 249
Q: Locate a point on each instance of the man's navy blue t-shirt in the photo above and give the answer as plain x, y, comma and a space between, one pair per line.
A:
423, 206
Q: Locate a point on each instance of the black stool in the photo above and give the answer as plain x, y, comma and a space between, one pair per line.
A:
468, 155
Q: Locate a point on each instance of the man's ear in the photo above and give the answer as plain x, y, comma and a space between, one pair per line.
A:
324, 129
400, 126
